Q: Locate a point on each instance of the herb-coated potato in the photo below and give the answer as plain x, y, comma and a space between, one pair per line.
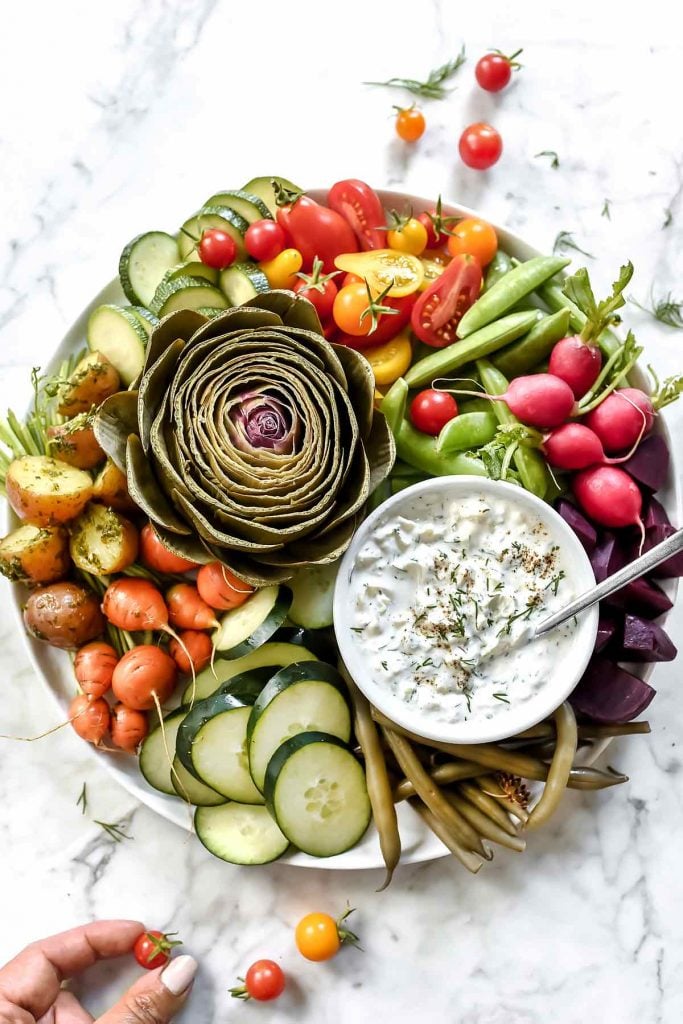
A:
35, 554
74, 442
46, 492
93, 380
64, 614
110, 488
103, 541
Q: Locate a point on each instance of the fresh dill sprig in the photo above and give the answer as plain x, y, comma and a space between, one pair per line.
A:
82, 801
554, 158
605, 212
565, 240
555, 582
666, 309
115, 830
433, 87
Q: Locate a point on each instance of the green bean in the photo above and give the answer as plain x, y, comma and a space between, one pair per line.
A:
376, 776
466, 431
499, 266
430, 794
490, 786
529, 463
597, 732
443, 774
475, 794
525, 354
560, 766
393, 405
508, 290
482, 343
466, 857
486, 828
419, 450
593, 778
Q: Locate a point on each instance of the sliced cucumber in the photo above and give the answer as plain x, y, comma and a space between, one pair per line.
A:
189, 788
210, 311
242, 281
219, 752
143, 263
302, 697
316, 791
273, 655
313, 589
118, 335
320, 641
263, 188
192, 268
153, 760
186, 293
222, 217
240, 833
147, 320
244, 629
246, 204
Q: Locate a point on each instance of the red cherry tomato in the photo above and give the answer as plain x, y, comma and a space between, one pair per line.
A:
152, 949
480, 146
493, 71
217, 249
361, 207
318, 288
264, 240
388, 325
314, 230
431, 410
438, 311
265, 980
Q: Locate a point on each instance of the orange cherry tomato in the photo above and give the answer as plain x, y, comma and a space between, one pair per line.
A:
319, 937
410, 123
473, 237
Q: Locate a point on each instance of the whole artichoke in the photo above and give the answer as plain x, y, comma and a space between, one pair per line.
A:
251, 439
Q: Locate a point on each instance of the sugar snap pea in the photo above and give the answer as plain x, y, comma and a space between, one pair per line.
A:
420, 451
474, 405
393, 405
466, 431
560, 766
481, 343
507, 292
524, 355
497, 268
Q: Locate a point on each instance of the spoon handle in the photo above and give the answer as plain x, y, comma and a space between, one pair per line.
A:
659, 553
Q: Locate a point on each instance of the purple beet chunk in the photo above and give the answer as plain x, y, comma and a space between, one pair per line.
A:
655, 515
640, 598
649, 464
583, 529
607, 627
609, 556
673, 566
608, 693
645, 641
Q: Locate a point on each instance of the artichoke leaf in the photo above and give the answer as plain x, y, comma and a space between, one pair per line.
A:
145, 491
238, 318
380, 448
294, 310
179, 325
153, 387
314, 550
206, 529
115, 420
191, 547
361, 383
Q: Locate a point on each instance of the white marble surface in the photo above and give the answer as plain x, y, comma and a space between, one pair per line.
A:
121, 116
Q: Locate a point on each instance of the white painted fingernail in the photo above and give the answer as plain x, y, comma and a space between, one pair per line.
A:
179, 974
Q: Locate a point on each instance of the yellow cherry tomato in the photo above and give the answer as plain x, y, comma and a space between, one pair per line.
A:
390, 360
281, 271
409, 236
410, 123
473, 237
432, 270
380, 267
320, 937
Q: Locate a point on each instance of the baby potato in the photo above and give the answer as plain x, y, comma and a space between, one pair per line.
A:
35, 554
111, 488
93, 380
45, 491
103, 541
64, 614
74, 442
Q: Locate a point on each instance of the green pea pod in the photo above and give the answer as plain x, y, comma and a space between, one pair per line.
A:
507, 292
466, 431
474, 405
497, 268
523, 355
420, 451
555, 299
530, 464
482, 343
393, 405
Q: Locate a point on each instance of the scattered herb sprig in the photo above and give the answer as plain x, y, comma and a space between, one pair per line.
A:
565, 240
114, 830
666, 309
82, 801
554, 158
433, 87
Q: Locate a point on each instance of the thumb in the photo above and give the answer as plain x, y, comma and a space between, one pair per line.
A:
156, 997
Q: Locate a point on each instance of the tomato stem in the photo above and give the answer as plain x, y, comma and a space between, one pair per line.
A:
512, 58
285, 196
239, 991
375, 309
315, 279
346, 936
161, 944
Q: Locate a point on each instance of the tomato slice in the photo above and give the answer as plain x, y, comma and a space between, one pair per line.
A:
360, 206
381, 267
432, 270
439, 309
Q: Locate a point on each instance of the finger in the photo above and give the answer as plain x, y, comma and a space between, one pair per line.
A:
67, 1010
156, 997
32, 980
13, 1014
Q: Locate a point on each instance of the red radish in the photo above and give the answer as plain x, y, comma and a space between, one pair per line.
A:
94, 666
157, 556
621, 418
609, 496
576, 446
220, 588
195, 644
576, 362
89, 717
128, 727
186, 610
143, 674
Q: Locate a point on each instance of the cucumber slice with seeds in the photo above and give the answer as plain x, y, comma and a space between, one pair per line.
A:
244, 629
242, 281
118, 335
246, 204
240, 833
143, 263
316, 791
186, 293
153, 760
189, 788
274, 655
222, 217
219, 753
302, 697
263, 188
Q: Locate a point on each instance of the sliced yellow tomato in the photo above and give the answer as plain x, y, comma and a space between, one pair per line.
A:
380, 267
432, 270
390, 360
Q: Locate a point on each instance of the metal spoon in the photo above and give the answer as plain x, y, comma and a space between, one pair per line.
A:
659, 553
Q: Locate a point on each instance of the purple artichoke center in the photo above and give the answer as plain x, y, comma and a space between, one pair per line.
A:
261, 421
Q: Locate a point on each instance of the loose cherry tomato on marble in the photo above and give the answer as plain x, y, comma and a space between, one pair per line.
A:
361, 207
480, 146
153, 949
410, 123
217, 249
265, 980
264, 239
494, 70
319, 937
431, 410
474, 237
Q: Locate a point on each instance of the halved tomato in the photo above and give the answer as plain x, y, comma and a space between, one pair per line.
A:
381, 267
438, 311
432, 270
360, 206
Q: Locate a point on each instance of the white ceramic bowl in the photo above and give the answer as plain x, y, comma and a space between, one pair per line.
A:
509, 719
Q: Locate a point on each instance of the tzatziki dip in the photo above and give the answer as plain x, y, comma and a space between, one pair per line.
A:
442, 598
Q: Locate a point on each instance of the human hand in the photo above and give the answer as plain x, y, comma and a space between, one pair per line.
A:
30, 985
